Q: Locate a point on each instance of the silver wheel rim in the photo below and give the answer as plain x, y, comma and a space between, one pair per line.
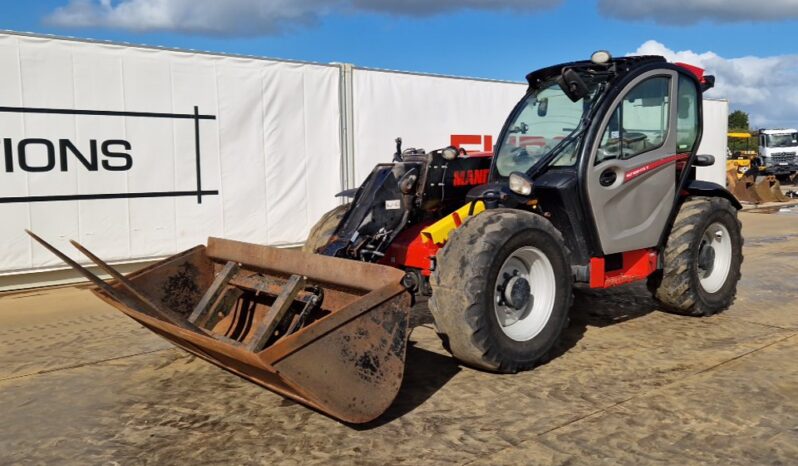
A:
531, 264
713, 277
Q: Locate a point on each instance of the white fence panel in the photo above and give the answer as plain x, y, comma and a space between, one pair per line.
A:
139, 153
426, 111
714, 141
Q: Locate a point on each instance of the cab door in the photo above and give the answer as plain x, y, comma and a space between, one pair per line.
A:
631, 173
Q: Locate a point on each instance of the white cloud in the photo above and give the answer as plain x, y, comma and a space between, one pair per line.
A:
253, 17
214, 17
762, 86
431, 7
693, 11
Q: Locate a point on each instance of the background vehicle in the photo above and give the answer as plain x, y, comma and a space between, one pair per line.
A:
778, 149
592, 183
747, 175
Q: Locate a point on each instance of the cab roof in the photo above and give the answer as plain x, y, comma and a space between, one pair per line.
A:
778, 131
619, 66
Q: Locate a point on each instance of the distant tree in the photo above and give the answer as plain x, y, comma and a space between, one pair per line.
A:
738, 123
738, 120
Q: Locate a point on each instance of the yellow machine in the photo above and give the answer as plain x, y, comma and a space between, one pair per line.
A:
739, 161
751, 186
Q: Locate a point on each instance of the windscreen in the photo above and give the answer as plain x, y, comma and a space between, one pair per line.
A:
546, 120
781, 140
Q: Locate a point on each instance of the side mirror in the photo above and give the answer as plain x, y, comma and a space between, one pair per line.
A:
708, 83
520, 128
704, 160
543, 106
572, 84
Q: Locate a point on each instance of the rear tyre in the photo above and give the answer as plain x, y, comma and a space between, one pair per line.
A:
501, 290
702, 259
322, 231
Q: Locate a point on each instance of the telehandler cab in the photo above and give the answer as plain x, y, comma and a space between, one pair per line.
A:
592, 183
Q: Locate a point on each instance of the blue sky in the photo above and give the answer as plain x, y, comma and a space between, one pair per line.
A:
502, 39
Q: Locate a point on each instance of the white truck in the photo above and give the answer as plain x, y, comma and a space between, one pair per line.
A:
778, 151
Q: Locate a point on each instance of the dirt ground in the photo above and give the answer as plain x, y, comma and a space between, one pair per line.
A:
82, 384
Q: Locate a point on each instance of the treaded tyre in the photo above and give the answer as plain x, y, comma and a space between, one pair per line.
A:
702, 259
324, 228
501, 290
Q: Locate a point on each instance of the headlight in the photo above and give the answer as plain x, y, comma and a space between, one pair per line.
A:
520, 184
450, 153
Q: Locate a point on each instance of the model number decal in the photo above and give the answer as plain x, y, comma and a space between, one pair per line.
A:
393, 204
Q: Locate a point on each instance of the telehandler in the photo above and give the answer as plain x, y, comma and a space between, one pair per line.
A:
591, 184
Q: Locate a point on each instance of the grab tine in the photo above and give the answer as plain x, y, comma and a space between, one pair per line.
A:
99, 282
170, 315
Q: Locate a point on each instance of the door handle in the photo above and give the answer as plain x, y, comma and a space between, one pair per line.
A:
608, 177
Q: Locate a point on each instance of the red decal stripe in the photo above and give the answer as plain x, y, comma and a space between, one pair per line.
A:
637, 171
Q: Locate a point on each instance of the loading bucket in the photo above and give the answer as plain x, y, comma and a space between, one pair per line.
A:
775, 189
329, 333
762, 186
743, 188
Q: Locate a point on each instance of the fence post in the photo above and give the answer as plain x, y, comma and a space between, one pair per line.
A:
347, 112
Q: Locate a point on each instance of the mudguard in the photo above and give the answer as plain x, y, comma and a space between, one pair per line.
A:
709, 189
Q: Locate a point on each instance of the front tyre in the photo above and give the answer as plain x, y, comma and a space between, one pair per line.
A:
702, 259
501, 290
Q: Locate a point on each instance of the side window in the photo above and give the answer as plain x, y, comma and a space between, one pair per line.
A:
687, 122
639, 122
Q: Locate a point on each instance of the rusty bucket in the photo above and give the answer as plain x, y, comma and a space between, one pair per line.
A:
329, 333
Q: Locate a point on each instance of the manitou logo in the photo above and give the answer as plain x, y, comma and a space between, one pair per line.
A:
471, 177
36, 155
461, 140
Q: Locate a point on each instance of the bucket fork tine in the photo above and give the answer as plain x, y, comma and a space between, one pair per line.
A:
99, 282
170, 315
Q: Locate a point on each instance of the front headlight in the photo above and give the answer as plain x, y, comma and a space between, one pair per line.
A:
450, 153
520, 184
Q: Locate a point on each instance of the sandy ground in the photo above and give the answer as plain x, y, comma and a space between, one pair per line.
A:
82, 384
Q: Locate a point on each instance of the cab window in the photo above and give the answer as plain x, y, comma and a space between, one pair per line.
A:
639, 123
687, 121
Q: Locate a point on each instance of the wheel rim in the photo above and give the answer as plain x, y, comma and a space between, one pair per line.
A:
714, 257
523, 316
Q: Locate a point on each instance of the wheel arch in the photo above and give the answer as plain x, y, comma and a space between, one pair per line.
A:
709, 189
695, 188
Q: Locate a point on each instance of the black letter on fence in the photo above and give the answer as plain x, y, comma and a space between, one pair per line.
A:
9, 155
23, 156
65, 145
120, 155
